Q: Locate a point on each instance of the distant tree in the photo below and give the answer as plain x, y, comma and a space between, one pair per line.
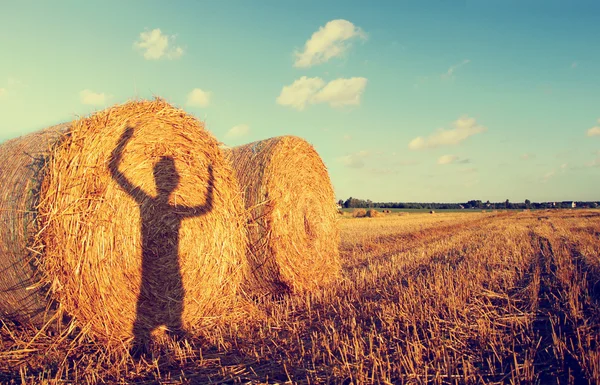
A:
341, 202
527, 203
507, 204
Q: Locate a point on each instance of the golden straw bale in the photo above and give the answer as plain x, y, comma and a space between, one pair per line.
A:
22, 295
359, 213
294, 239
142, 223
374, 213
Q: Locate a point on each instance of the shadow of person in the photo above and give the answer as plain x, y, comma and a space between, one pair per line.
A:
160, 302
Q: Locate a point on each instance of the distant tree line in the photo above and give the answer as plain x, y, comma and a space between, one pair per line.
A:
472, 204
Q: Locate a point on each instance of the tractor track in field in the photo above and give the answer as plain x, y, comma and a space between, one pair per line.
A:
551, 315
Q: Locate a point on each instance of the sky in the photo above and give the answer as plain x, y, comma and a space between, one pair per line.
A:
412, 101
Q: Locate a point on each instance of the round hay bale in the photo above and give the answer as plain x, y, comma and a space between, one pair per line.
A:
359, 213
373, 213
142, 223
432, 212
22, 294
292, 226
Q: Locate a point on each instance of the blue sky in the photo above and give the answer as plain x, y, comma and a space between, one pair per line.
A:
404, 100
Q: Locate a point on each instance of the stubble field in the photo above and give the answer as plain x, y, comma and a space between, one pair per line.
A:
502, 297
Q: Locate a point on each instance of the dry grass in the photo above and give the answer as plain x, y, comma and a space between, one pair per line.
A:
451, 298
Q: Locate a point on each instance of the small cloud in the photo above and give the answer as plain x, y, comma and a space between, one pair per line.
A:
574, 64
527, 156
328, 42
355, 160
156, 45
594, 131
93, 98
449, 159
464, 127
198, 98
347, 137
337, 93
2, 92
547, 176
595, 162
238, 131
450, 73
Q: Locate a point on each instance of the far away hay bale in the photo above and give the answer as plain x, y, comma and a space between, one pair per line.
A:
359, 213
292, 228
373, 213
142, 223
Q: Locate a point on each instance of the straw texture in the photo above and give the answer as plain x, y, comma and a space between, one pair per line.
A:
292, 228
22, 297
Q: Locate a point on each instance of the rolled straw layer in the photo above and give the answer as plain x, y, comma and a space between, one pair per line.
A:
293, 231
22, 296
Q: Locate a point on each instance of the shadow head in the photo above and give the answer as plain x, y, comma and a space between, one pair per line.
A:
166, 177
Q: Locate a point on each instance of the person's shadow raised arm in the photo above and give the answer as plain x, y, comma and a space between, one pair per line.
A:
196, 211
117, 155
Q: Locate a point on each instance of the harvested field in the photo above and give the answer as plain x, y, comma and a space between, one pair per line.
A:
446, 298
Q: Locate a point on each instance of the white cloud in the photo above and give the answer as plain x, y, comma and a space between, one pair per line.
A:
341, 92
93, 98
328, 42
198, 98
237, 131
300, 92
156, 45
574, 64
450, 73
355, 160
337, 93
464, 127
447, 159
594, 131
2, 92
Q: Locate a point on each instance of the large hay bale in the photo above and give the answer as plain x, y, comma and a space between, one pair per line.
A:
292, 228
142, 223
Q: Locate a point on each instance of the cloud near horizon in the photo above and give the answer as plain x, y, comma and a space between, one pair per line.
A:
337, 93
328, 42
156, 45
464, 127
